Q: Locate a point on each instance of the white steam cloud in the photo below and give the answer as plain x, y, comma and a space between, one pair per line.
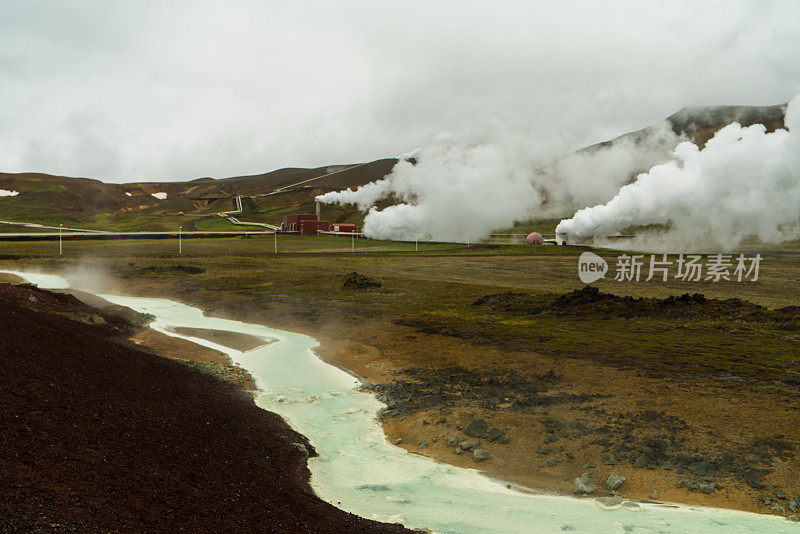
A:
458, 191
744, 182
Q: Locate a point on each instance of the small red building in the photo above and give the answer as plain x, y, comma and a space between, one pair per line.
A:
291, 223
309, 223
307, 227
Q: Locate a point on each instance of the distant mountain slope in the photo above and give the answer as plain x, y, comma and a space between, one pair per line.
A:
49, 199
699, 123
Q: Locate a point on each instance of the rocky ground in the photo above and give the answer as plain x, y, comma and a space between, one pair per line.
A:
100, 436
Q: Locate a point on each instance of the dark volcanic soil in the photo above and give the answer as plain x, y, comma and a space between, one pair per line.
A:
99, 436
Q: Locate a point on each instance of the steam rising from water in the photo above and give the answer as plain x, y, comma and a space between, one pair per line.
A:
455, 190
745, 181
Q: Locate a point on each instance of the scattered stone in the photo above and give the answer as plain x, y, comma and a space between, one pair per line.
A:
793, 518
435, 440
503, 440
780, 494
551, 438
570, 456
398, 441
705, 488
358, 281
494, 434
654, 495
476, 428
584, 484
302, 448
640, 461
544, 450
458, 450
614, 481
702, 469
468, 445
609, 501
681, 484
452, 440
480, 454
553, 461
778, 508
441, 421
794, 505
589, 465
423, 444
753, 480
630, 504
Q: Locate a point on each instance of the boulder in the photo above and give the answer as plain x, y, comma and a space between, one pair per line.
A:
503, 440
494, 434
753, 480
302, 448
780, 494
705, 488
468, 445
480, 454
794, 505
614, 481
452, 440
423, 444
476, 428
584, 484
654, 495
793, 518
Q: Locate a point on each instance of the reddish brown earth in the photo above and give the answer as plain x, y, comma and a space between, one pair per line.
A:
98, 435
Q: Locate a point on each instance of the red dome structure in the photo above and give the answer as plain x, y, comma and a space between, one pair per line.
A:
534, 238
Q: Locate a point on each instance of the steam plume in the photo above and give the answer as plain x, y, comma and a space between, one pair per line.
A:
454, 190
745, 181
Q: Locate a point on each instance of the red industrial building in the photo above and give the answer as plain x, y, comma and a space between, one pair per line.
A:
309, 224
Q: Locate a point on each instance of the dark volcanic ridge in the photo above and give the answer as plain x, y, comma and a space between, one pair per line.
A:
591, 301
100, 436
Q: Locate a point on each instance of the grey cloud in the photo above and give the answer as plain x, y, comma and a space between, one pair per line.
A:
185, 89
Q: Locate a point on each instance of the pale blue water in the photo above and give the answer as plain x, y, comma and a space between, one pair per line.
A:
359, 471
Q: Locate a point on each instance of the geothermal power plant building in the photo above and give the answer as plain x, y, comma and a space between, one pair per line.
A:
309, 224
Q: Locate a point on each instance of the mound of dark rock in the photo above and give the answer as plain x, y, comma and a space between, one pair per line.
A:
591, 301
359, 281
99, 436
164, 269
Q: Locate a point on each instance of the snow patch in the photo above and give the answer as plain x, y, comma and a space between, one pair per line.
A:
159, 196
7, 193
128, 194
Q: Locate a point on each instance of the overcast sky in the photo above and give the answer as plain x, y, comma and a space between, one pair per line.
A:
178, 90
